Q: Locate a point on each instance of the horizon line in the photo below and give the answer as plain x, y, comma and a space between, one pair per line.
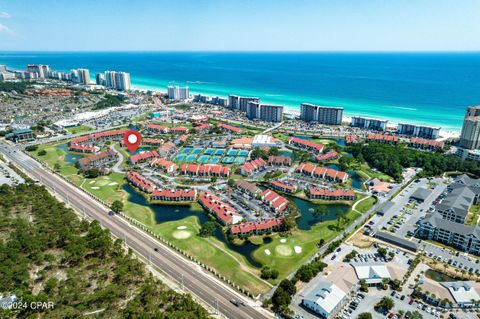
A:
243, 51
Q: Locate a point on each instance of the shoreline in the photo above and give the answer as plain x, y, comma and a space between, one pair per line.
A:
347, 118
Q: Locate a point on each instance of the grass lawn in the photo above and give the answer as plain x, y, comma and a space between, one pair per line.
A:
79, 129
366, 173
366, 204
473, 215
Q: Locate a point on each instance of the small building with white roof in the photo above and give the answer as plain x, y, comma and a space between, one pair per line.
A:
372, 273
325, 299
261, 140
462, 293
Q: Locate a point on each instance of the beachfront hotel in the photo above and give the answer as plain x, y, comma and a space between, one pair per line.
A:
117, 80
469, 144
264, 112
329, 115
42, 70
240, 103
369, 123
430, 132
82, 76
178, 93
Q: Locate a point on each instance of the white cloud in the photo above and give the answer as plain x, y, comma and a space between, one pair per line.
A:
5, 29
5, 15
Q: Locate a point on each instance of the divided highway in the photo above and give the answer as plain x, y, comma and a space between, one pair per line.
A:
204, 286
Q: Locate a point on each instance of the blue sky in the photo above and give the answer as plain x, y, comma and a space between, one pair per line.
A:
242, 25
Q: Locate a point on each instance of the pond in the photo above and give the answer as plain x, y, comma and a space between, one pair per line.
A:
166, 213
70, 157
308, 216
438, 276
356, 180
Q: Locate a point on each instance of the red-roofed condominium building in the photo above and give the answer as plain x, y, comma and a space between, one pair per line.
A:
425, 144
152, 142
225, 213
331, 194
253, 166
158, 129
116, 135
164, 165
279, 161
260, 227
308, 145
283, 187
174, 195
248, 188
143, 157
81, 148
276, 202
329, 156
166, 149
329, 174
141, 182
382, 138
210, 170
230, 128
97, 160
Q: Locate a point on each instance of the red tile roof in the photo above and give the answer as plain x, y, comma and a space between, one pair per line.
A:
306, 143
332, 154
331, 192
283, 186
230, 128
175, 193
215, 205
427, 142
141, 157
141, 181
158, 128
262, 225
87, 148
163, 163
382, 137
280, 160
93, 158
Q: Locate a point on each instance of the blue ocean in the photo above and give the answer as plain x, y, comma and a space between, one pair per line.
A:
425, 88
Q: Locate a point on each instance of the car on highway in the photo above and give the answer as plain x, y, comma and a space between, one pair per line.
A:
111, 213
156, 249
235, 302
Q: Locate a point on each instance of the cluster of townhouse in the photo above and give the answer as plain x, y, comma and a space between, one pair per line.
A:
82, 148
283, 186
426, 144
225, 213
201, 128
383, 138
207, 170
116, 135
230, 128
253, 166
174, 195
308, 145
256, 228
279, 160
331, 194
152, 142
164, 165
446, 224
141, 182
329, 156
143, 157
351, 139
325, 173
162, 129
248, 188
97, 160
276, 202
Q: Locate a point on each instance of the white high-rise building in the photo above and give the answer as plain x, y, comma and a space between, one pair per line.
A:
42, 71
117, 80
178, 93
83, 76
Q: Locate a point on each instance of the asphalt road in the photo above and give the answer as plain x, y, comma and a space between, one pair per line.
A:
204, 286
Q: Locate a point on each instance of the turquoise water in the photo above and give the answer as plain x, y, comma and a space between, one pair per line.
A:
429, 88
71, 158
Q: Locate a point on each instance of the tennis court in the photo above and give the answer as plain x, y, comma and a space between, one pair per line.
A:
196, 151
190, 158
214, 159
209, 151
220, 151
185, 150
240, 160
228, 160
203, 159
232, 152
180, 157
242, 153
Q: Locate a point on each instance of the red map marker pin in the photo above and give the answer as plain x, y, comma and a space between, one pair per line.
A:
132, 140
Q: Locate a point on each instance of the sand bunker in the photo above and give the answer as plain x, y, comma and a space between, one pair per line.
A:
284, 250
95, 187
91, 182
182, 234
298, 249
113, 183
283, 240
267, 252
182, 227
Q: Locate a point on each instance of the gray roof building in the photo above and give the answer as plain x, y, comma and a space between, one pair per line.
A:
421, 194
